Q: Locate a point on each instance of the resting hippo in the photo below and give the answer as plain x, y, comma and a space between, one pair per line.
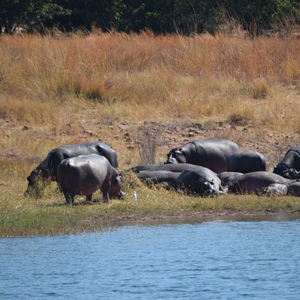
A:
227, 176
212, 154
246, 162
159, 176
294, 189
199, 180
275, 188
255, 181
289, 166
164, 167
85, 174
48, 167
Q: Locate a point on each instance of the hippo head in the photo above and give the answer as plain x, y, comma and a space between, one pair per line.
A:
34, 176
291, 174
209, 188
115, 188
176, 156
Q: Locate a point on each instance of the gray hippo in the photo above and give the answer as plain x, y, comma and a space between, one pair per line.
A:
289, 166
212, 154
164, 167
294, 189
255, 181
85, 174
246, 162
227, 176
275, 188
159, 177
199, 180
48, 167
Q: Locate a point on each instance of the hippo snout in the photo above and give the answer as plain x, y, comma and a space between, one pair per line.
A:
121, 195
171, 160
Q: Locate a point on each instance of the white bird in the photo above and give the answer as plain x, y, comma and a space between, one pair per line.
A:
134, 197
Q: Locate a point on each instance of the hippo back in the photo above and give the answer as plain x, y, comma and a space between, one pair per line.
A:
255, 181
246, 162
212, 154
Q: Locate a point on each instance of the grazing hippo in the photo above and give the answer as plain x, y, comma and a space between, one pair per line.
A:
275, 188
48, 167
85, 174
246, 162
199, 180
212, 154
159, 177
227, 176
294, 189
164, 167
255, 181
289, 166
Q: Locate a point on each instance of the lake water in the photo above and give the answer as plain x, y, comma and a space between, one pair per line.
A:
242, 258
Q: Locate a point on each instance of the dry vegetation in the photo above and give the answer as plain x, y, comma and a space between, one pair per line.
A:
60, 89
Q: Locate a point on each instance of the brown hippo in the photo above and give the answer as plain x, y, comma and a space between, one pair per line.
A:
48, 167
212, 154
246, 162
199, 180
85, 174
255, 182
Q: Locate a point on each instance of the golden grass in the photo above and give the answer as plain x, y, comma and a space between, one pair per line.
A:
63, 86
166, 77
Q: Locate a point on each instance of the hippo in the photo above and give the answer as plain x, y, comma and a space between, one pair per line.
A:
246, 162
227, 176
212, 154
199, 180
159, 177
85, 174
48, 167
294, 189
139, 168
275, 188
289, 166
164, 167
255, 181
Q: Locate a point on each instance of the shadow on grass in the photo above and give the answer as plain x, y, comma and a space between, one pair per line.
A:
77, 203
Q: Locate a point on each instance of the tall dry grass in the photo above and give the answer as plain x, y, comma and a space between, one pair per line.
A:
143, 76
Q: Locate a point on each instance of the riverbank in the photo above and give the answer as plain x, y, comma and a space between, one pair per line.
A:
163, 91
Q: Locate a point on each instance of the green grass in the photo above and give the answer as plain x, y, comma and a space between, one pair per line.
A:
20, 215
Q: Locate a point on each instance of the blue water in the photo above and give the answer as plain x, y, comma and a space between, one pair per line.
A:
242, 258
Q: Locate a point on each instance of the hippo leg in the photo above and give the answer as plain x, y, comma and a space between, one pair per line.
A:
89, 197
69, 197
105, 189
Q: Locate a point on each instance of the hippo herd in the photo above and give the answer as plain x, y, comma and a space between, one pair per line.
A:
204, 167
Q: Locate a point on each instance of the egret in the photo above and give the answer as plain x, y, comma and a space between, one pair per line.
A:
134, 197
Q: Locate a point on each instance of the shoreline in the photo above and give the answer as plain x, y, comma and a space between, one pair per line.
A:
188, 215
